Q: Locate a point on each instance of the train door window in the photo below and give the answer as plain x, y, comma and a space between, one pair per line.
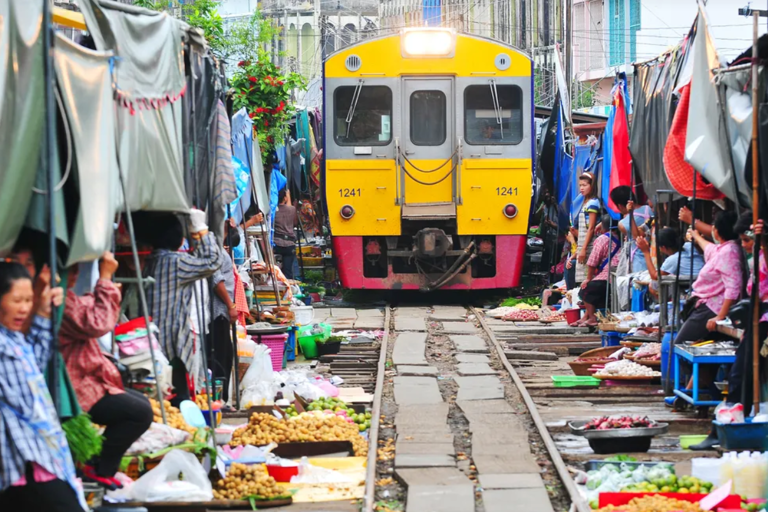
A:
493, 114
428, 113
363, 115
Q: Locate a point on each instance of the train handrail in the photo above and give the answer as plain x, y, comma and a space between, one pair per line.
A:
460, 156
399, 178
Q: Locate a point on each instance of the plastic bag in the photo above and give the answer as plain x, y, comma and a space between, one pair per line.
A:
729, 413
260, 369
156, 438
309, 474
178, 477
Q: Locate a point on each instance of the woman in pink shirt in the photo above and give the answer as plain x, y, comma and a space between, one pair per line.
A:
720, 282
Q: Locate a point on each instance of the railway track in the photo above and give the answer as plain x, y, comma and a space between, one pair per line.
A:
455, 428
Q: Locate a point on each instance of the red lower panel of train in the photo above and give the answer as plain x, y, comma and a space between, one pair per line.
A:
507, 264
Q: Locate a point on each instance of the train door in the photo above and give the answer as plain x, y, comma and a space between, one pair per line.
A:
427, 146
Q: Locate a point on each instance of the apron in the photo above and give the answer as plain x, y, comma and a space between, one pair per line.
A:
581, 269
44, 424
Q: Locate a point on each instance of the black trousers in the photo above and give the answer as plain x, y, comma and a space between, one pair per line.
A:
220, 352
127, 416
53, 496
179, 382
695, 327
741, 376
289, 256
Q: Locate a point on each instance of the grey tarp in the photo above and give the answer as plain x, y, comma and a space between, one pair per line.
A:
652, 117
21, 112
150, 81
706, 143
86, 90
736, 94
197, 136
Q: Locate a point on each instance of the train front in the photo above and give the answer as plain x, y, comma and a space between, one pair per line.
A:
429, 148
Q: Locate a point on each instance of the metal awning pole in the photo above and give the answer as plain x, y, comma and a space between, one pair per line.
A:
49, 159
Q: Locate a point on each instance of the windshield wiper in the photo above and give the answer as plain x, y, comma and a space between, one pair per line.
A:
497, 107
353, 105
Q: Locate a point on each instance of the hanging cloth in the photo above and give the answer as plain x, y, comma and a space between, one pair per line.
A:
621, 159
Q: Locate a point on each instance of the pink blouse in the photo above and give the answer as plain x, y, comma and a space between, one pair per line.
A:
720, 278
763, 282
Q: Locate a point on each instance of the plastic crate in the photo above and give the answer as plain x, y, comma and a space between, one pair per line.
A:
290, 349
742, 436
572, 381
276, 343
308, 341
611, 338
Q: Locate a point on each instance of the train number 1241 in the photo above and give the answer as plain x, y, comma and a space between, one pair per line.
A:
506, 191
349, 192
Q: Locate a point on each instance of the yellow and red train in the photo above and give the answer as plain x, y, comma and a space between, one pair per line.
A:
429, 151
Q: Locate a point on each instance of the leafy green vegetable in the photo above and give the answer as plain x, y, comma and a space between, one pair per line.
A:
83, 438
514, 301
620, 458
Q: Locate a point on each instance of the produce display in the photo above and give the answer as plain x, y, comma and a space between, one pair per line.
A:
654, 503
263, 429
648, 351
625, 368
605, 422
614, 478
522, 315
685, 485
593, 360
339, 408
202, 402
243, 482
175, 419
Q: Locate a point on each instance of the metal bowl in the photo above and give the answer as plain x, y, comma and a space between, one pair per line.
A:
577, 427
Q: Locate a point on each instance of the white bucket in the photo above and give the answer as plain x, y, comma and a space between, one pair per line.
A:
304, 314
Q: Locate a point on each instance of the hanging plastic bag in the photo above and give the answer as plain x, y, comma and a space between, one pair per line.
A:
179, 477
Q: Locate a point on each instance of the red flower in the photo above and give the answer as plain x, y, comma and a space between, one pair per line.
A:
270, 139
280, 82
261, 110
241, 64
252, 115
266, 123
252, 79
282, 104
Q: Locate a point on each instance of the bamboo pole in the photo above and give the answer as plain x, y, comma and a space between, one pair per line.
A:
755, 215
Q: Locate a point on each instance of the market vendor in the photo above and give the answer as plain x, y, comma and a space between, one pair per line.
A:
251, 217
668, 241
588, 224
285, 235
126, 414
720, 282
170, 297
36, 469
594, 288
624, 200
220, 348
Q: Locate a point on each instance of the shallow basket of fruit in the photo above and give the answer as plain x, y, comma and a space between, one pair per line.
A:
597, 356
251, 483
619, 434
659, 502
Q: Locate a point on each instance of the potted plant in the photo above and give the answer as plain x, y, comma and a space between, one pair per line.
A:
331, 345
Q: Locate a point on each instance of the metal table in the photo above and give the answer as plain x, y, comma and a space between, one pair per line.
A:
692, 396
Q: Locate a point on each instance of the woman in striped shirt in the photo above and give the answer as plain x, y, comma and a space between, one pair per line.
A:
36, 470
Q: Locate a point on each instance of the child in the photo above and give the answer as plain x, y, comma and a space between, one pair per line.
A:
593, 289
588, 224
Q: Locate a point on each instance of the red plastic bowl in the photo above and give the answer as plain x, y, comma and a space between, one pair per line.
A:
282, 473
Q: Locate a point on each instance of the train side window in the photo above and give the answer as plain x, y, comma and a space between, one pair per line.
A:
428, 111
481, 117
365, 122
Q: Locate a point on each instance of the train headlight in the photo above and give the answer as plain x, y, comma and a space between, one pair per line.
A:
428, 42
510, 211
346, 212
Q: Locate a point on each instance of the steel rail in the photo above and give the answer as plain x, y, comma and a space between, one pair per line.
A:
577, 500
373, 432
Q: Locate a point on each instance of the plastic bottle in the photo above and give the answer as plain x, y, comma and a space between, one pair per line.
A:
726, 468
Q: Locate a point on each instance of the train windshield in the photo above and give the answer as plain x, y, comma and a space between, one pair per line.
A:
493, 114
363, 115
